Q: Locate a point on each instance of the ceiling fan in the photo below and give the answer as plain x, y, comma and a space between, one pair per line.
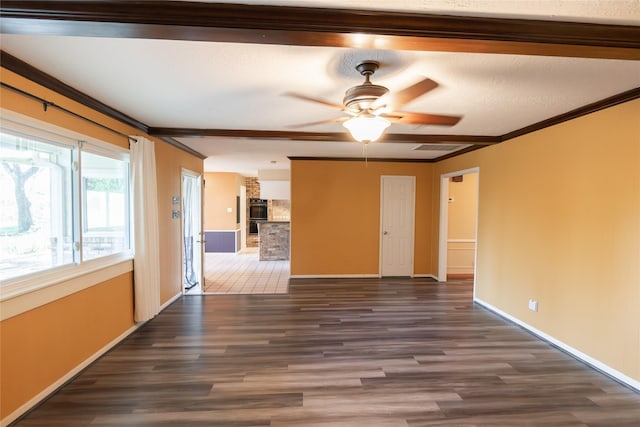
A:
371, 108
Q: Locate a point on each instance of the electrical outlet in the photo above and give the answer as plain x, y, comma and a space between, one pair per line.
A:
533, 305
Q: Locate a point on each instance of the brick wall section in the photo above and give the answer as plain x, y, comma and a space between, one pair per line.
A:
253, 192
274, 244
253, 188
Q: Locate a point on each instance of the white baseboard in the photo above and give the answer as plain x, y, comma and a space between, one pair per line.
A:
334, 276
428, 276
68, 376
608, 370
170, 301
352, 276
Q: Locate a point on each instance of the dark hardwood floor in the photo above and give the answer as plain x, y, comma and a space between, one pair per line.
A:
392, 352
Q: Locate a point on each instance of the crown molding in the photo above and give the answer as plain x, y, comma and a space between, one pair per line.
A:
611, 101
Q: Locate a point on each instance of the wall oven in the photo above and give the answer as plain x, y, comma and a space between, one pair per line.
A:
258, 212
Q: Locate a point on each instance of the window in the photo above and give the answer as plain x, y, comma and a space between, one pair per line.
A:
35, 205
62, 202
105, 213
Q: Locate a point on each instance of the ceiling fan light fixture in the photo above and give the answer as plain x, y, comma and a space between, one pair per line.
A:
366, 127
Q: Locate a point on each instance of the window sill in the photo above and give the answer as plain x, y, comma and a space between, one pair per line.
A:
33, 291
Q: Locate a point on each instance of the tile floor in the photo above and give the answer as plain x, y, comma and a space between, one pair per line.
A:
243, 273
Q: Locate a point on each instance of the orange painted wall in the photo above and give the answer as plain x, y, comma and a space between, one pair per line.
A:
41, 345
335, 216
559, 221
220, 192
67, 331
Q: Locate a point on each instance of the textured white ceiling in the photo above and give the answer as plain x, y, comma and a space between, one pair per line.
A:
165, 83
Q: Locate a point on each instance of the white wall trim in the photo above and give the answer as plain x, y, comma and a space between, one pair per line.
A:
353, 276
30, 298
428, 276
460, 269
334, 276
594, 363
65, 378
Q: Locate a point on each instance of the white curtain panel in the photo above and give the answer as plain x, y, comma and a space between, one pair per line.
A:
146, 264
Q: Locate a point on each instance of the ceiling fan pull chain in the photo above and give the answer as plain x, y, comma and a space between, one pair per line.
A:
364, 154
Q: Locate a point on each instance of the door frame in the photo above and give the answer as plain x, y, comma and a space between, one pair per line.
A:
243, 217
444, 223
413, 222
193, 174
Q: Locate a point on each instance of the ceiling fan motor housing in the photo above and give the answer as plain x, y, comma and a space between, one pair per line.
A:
361, 97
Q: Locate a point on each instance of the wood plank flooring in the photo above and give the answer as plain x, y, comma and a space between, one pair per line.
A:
389, 352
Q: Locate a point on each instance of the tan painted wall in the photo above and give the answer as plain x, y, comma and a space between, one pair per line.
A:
335, 216
559, 222
70, 329
169, 163
220, 193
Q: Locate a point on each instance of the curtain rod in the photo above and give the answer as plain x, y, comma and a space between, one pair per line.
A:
46, 104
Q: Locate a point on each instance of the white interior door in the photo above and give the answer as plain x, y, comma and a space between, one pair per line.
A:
397, 225
192, 236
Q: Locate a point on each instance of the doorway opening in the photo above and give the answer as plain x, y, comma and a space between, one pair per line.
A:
457, 253
192, 237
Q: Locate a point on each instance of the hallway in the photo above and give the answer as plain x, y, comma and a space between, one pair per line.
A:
243, 273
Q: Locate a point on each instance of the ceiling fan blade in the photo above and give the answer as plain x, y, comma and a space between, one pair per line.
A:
407, 118
401, 97
316, 100
319, 122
